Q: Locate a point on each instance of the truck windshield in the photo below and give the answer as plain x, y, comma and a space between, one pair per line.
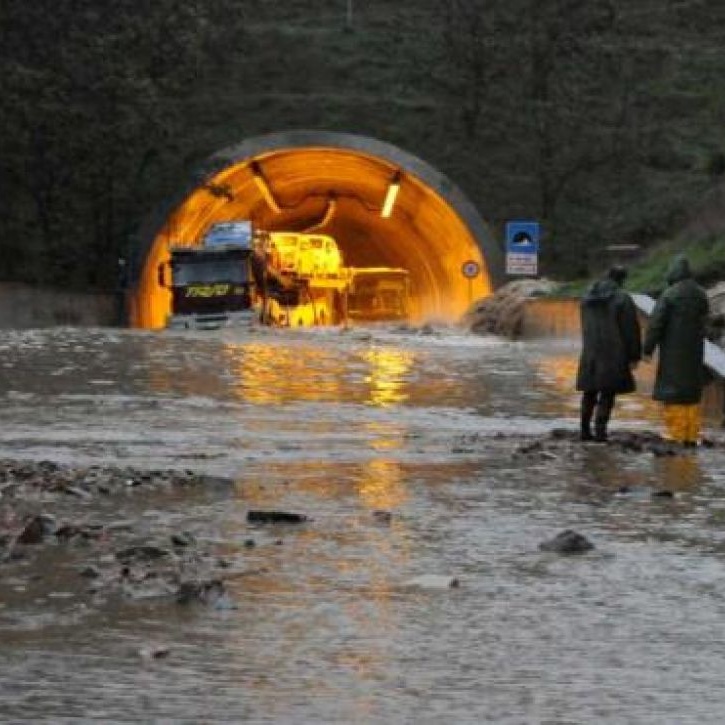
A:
210, 271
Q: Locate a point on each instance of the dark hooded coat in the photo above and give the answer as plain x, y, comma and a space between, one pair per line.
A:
677, 327
610, 339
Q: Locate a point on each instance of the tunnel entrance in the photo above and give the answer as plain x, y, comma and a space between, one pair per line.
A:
383, 206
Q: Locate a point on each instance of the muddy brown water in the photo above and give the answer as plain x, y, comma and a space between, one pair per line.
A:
325, 628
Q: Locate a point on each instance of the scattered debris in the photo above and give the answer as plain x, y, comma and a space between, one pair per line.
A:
154, 652
142, 552
567, 542
210, 592
182, 539
33, 531
382, 517
275, 517
433, 581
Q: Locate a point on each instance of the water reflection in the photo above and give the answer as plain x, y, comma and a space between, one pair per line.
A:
336, 428
266, 374
559, 370
381, 485
387, 378
272, 373
679, 473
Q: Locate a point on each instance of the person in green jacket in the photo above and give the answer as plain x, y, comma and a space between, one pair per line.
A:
677, 327
611, 349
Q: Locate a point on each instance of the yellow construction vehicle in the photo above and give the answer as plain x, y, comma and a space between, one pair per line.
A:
301, 279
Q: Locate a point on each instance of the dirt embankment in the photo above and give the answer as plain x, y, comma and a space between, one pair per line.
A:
503, 312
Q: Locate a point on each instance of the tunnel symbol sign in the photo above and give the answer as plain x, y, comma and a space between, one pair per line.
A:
470, 269
522, 247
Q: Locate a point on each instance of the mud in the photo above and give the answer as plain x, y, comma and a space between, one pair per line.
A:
122, 558
429, 467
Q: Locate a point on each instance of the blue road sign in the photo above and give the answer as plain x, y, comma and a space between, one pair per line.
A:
523, 237
522, 247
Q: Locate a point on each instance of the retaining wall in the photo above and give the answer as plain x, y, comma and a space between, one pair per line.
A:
26, 306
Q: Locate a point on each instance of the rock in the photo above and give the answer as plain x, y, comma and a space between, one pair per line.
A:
49, 523
90, 572
34, 530
70, 531
250, 543
382, 517
182, 539
567, 542
209, 592
85, 532
662, 450
120, 525
154, 652
75, 491
275, 517
663, 494
145, 552
433, 581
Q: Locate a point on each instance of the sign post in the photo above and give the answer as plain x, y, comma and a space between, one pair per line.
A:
522, 248
470, 270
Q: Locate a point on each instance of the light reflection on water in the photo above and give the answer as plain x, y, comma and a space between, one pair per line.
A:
326, 630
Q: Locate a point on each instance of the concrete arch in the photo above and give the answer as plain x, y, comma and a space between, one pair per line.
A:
337, 184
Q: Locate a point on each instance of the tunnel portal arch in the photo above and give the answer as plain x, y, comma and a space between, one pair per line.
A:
336, 184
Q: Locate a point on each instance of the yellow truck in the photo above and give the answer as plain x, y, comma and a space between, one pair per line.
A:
378, 294
303, 281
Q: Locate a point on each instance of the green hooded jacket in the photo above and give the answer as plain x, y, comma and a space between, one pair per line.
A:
610, 339
677, 327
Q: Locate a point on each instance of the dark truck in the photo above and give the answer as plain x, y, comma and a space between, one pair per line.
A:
212, 285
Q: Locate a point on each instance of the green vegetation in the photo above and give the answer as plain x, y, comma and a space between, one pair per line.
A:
647, 273
600, 119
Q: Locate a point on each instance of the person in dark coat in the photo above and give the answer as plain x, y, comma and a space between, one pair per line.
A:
677, 327
611, 349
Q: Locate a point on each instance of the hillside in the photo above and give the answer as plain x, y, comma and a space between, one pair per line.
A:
597, 119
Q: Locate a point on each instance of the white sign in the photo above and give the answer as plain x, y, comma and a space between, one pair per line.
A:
521, 264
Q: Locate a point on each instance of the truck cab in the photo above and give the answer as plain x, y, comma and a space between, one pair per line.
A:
211, 285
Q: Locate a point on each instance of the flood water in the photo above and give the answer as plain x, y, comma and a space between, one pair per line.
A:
327, 628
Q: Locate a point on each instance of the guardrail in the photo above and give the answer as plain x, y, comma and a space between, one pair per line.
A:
714, 355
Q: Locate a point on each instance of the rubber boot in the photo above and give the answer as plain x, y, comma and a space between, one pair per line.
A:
693, 425
676, 422
587, 411
600, 430
604, 412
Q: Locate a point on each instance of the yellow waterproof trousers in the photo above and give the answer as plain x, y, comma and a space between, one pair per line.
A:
682, 422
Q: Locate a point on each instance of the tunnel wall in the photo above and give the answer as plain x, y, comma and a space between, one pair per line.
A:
226, 164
